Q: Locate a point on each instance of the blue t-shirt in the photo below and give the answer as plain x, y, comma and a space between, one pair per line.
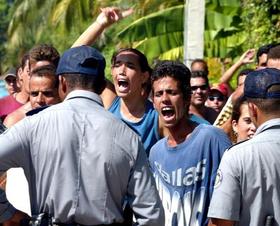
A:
146, 128
185, 174
198, 119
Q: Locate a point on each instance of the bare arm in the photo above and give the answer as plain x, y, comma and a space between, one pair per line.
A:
107, 17
108, 95
17, 115
246, 58
220, 222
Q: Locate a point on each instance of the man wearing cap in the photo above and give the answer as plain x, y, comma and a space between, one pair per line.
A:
10, 78
247, 184
10, 103
83, 161
217, 97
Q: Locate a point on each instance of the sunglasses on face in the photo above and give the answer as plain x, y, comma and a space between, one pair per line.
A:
202, 87
219, 98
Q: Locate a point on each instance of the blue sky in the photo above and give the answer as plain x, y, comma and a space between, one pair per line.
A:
3, 91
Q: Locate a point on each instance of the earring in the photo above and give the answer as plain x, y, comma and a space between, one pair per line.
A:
235, 133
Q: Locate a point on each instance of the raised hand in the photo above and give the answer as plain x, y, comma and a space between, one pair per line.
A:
248, 56
110, 15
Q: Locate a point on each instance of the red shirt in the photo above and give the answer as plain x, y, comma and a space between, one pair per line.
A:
8, 104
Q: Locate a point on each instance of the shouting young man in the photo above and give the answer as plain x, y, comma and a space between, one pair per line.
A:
185, 162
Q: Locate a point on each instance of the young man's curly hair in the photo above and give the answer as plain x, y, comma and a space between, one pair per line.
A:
44, 52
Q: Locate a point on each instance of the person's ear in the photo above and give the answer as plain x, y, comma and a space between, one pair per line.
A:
20, 74
252, 110
145, 77
62, 87
234, 126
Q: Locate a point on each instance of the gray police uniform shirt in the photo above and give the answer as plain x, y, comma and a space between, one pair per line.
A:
80, 163
248, 180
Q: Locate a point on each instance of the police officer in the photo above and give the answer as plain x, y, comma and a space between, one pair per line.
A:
80, 161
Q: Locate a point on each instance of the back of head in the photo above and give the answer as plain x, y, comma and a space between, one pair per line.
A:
274, 52
44, 52
273, 57
176, 70
83, 68
262, 87
263, 50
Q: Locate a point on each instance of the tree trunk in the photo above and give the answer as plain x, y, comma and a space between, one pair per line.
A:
194, 30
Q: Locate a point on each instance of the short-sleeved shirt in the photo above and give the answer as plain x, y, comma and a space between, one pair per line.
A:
248, 180
147, 128
8, 104
198, 120
185, 174
80, 162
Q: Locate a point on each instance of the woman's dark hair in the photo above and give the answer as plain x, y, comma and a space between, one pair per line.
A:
236, 112
143, 62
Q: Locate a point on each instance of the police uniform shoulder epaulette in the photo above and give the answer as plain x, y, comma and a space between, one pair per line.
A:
36, 110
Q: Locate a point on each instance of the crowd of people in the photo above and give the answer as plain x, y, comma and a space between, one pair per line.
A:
157, 146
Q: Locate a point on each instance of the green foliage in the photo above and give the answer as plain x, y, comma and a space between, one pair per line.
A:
156, 27
160, 34
261, 21
4, 21
56, 22
157, 34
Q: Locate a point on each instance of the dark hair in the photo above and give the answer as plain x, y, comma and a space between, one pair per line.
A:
200, 74
175, 70
143, 62
264, 50
243, 72
44, 52
46, 70
274, 53
203, 63
24, 60
269, 105
236, 111
88, 82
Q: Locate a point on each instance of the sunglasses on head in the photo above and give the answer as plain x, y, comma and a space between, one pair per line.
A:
219, 98
202, 87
